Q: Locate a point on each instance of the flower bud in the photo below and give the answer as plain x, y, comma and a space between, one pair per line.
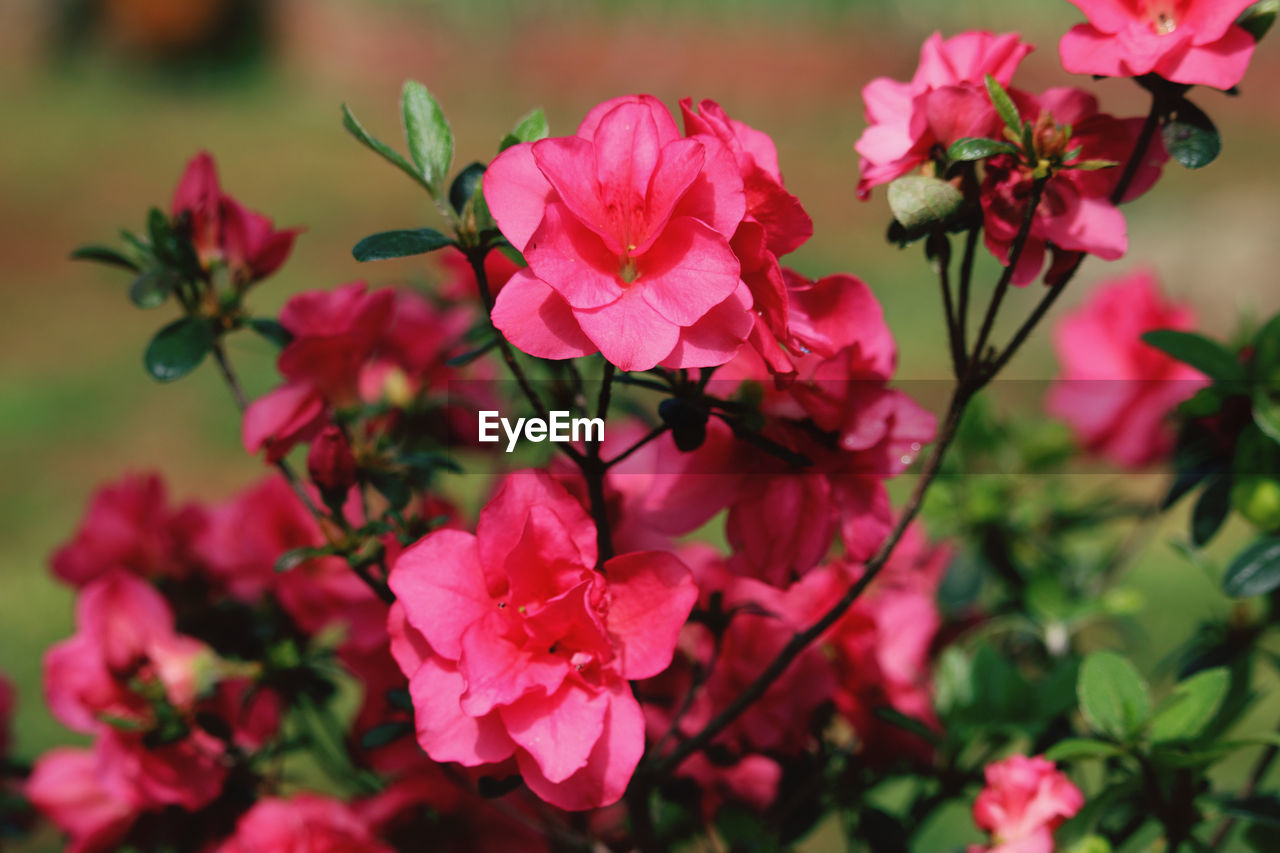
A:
331, 464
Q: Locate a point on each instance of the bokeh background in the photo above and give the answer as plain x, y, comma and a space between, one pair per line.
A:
103, 101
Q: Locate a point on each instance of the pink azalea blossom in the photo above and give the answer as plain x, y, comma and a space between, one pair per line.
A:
225, 231
305, 823
130, 525
66, 787
1114, 390
1076, 214
1024, 801
515, 644
1195, 42
946, 100
626, 230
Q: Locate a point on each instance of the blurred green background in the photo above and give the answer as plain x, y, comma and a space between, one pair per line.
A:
105, 100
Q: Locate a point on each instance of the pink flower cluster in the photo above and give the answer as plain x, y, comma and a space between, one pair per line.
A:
912, 124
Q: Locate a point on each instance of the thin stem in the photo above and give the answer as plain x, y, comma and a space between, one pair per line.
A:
475, 257
966, 278
1145, 137
799, 642
594, 469
1006, 277
1260, 769
942, 264
242, 401
650, 436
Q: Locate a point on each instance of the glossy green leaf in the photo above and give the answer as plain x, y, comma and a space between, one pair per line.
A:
178, 348
1190, 136
379, 147
968, 149
917, 201
1258, 18
399, 244
429, 135
1255, 570
272, 330
152, 288
1077, 749
1004, 105
1204, 354
1211, 510
1113, 696
1191, 707
465, 185
104, 255
530, 128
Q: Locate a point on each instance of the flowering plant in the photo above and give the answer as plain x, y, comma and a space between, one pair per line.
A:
587, 662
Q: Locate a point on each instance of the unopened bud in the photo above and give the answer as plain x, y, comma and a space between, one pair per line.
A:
331, 464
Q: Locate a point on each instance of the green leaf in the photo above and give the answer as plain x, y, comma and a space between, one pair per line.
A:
385, 733
968, 149
463, 359
1191, 707
1004, 105
104, 255
1211, 510
464, 186
1093, 165
1266, 377
1079, 748
530, 128
1112, 695
1255, 570
178, 348
152, 288
430, 138
380, 148
272, 330
1259, 808
1204, 354
917, 201
1190, 136
295, 557
399, 244
1258, 18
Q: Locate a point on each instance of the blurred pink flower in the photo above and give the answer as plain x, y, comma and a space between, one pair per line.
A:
1114, 390
1025, 800
1187, 41
305, 822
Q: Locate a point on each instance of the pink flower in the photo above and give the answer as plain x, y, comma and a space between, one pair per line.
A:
130, 525
1076, 214
66, 787
626, 230
1187, 41
1115, 391
225, 231
775, 223
305, 823
125, 637
515, 644
945, 101
1025, 800
840, 413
